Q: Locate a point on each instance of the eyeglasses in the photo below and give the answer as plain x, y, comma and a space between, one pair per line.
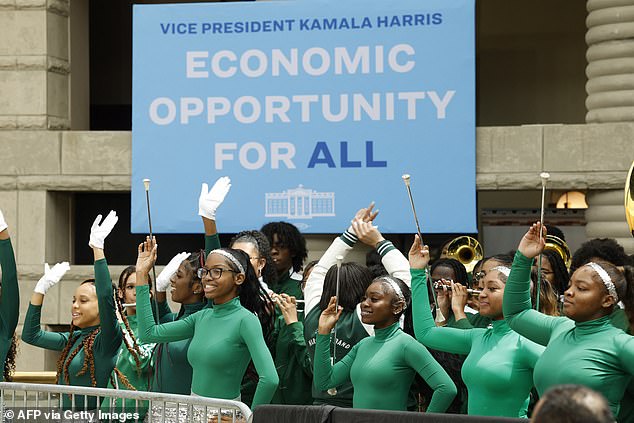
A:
214, 272
478, 275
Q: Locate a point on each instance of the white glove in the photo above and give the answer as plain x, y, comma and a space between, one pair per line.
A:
51, 276
3, 223
98, 233
163, 279
210, 200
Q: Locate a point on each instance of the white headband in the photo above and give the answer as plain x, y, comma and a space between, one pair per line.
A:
607, 281
396, 288
230, 257
506, 271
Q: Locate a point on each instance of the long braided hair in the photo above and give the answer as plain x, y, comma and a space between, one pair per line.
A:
67, 355
129, 339
9, 364
560, 277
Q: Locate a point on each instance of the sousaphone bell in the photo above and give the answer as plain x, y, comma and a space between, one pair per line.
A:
466, 250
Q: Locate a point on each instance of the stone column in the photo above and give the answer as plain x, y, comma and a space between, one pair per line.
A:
610, 88
34, 64
34, 106
606, 218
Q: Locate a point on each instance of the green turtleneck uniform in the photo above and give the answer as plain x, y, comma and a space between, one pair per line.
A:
382, 368
9, 299
223, 340
592, 353
172, 372
498, 370
105, 347
137, 375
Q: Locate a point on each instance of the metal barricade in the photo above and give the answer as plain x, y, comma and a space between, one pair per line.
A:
43, 402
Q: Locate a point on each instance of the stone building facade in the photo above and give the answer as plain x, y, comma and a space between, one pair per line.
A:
532, 84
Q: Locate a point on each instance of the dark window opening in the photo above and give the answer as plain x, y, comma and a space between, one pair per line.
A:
121, 245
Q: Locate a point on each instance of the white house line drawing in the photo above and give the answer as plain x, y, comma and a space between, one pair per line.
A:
299, 203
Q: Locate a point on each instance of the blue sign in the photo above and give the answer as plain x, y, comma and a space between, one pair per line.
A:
312, 108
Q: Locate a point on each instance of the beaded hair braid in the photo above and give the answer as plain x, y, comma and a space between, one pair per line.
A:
9, 364
89, 359
134, 349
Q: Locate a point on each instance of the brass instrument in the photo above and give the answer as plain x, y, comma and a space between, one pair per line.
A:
558, 245
441, 285
466, 250
629, 199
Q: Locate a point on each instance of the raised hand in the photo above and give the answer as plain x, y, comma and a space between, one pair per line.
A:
146, 255
367, 233
163, 279
3, 223
211, 199
329, 317
99, 232
531, 245
51, 276
418, 255
366, 214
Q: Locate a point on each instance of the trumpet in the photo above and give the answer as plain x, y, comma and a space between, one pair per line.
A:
447, 285
466, 250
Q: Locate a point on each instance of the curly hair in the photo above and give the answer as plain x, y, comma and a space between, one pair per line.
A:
290, 236
9, 363
599, 248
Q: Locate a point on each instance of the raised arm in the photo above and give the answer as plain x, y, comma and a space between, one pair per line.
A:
163, 282
393, 260
516, 305
110, 337
10, 296
149, 331
251, 332
325, 374
32, 332
341, 246
208, 203
439, 338
436, 377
